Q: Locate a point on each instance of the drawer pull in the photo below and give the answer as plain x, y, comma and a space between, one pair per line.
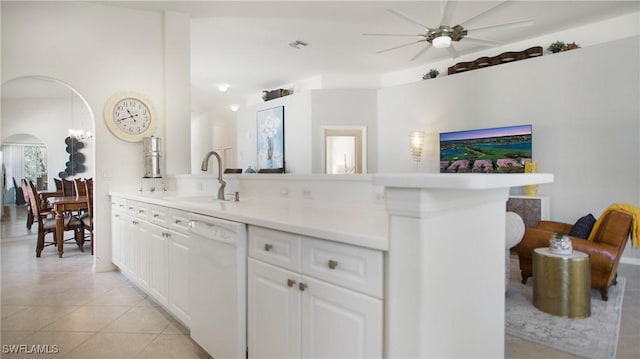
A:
178, 221
166, 235
141, 211
291, 282
268, 247
302, 287
333, 264
155, 215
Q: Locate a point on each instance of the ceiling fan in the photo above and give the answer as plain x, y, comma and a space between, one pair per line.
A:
442, 36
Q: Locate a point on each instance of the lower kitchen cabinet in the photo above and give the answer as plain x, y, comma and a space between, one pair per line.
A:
152, 256
273, 311
179, 276
158, 265
294, 314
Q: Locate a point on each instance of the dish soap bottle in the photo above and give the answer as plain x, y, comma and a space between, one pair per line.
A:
249, 170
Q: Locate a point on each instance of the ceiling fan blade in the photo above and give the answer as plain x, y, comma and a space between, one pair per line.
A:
447, 12
481, 41
408, 18
427, 47
504, 25
452, 52
400, 46
477, 16
399, 35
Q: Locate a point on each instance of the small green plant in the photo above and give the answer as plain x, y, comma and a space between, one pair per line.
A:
557, 46
559, 235
433, 73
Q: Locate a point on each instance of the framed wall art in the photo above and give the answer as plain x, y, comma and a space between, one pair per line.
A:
270, 138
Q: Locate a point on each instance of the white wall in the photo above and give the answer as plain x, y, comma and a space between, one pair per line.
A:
583, 105
98, 50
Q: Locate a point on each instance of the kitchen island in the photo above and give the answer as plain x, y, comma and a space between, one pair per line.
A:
436, 286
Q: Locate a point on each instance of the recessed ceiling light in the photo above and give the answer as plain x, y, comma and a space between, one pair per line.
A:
298, 44
234, 107
223, 87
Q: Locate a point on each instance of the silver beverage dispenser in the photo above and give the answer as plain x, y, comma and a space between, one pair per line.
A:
151, 149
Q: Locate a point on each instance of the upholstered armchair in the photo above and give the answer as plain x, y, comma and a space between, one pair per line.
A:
605, 249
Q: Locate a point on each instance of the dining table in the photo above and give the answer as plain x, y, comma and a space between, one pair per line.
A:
60, 205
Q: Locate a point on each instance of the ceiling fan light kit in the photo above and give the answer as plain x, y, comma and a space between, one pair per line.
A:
441, 42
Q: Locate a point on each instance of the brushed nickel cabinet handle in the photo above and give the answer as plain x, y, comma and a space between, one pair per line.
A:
302, 287
178, 221
290, 283
268, 247
333, 264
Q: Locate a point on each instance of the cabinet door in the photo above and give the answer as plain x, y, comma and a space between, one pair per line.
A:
338, 322
179, 276
142, 254
132, 249
273, 311
158, 268
117, 241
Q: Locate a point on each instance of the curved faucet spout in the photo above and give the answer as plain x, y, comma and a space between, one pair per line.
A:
205, 166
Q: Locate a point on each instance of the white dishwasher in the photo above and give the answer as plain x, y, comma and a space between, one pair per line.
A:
217, 290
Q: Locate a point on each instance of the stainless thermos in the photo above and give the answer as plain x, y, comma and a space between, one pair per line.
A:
151, 149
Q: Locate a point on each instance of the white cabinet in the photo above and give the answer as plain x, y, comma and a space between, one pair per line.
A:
179, 276
158, 265
274, 311
313, 298
119, 230
151, 248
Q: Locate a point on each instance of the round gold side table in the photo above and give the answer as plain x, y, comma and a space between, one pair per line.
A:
562, 283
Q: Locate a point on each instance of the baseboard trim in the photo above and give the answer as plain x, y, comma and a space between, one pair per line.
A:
633, 261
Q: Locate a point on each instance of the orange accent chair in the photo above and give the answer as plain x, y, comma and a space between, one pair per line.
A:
604, 250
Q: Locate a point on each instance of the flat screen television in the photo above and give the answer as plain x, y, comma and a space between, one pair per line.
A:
488, 150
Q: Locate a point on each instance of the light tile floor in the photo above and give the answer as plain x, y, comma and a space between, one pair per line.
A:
60, 301
101, 315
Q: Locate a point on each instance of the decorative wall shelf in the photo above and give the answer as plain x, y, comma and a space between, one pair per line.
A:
503, 58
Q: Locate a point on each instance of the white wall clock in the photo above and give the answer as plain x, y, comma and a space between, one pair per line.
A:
130, 116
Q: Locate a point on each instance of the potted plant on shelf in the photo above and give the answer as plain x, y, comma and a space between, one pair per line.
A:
433, 73
557, 46
571, 46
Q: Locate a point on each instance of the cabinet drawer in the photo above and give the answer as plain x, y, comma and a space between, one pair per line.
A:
178, 221
118, 204
158, 214
275, 247
356, 268
132, 208
142, 210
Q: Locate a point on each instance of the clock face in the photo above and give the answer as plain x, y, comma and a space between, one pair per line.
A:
129, 116
132, 116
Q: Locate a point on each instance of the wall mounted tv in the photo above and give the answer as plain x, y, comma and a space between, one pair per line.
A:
489, 150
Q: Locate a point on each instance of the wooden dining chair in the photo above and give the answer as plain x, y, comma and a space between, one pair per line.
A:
25, 191
68, 187
87, 217
78, 185
58, 183
47, 223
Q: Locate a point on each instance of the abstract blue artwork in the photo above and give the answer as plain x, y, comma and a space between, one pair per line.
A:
270, 137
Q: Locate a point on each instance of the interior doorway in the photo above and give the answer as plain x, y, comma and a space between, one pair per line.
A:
344, 150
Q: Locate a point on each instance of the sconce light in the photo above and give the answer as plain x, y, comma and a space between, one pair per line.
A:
416, 141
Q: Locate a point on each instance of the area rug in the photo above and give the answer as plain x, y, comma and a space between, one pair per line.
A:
593, 337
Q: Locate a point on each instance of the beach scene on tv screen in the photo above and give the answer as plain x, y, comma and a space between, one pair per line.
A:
490, 150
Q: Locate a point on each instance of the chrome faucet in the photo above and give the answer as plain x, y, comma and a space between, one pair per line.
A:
205, 166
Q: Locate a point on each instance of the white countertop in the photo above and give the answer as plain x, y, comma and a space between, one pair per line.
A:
461, 181
365, 226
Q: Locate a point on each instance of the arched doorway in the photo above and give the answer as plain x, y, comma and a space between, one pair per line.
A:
47, 112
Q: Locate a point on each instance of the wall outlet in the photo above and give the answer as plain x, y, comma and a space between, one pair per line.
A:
306, 193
